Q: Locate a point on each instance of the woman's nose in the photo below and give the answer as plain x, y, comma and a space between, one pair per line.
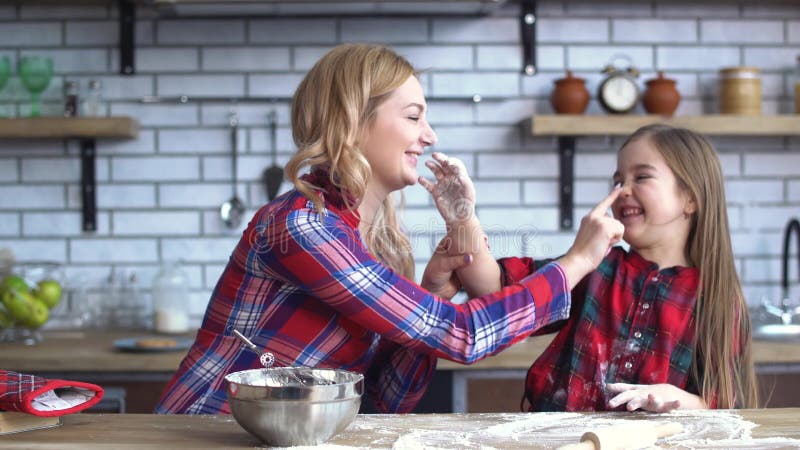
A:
428, 136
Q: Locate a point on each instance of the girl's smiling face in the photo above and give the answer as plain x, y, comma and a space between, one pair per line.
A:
656, 211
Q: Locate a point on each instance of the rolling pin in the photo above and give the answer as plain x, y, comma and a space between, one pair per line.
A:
625, 437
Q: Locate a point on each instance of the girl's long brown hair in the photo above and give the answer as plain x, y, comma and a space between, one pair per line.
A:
335, 101
723, 363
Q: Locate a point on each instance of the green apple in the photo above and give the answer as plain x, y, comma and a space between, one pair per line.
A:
5, 318
49, 292
18, 304
39, 314
15, 283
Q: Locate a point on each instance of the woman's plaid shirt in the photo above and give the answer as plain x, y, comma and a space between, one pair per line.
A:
303, 286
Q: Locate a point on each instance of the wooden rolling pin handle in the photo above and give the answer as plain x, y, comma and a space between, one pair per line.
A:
625, 437
585, 445
668, 429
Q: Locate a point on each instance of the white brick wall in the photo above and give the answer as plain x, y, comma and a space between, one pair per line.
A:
158, 195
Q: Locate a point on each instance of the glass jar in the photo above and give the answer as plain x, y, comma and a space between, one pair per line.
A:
92, 105
171, 300
71, 89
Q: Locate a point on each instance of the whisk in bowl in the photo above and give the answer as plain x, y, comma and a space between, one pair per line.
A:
299, 375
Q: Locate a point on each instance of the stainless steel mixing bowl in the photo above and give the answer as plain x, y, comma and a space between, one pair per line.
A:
285, 406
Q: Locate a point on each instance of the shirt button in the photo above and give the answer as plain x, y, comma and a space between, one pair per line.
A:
637, 335
646, 306
654, 279
628, 365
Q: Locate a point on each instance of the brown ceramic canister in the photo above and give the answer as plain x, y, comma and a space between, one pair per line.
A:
661, 96
570, 95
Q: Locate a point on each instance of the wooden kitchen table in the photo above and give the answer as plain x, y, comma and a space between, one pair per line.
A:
765, 428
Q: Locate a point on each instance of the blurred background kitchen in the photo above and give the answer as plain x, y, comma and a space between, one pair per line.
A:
159, 193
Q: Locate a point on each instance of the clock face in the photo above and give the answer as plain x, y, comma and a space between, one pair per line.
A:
619, 94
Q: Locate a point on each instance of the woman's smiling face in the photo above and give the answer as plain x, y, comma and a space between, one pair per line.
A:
397, 136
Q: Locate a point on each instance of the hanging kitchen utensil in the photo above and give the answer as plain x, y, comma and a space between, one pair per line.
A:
273, 175
232, 211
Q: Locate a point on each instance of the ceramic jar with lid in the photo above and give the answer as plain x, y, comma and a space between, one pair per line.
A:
570, 95
661, 96
740, 90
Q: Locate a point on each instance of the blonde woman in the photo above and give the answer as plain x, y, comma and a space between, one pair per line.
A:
322, 275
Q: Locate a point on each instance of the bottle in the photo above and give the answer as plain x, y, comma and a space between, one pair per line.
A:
92, 105
171, 300
71, 89
797, 86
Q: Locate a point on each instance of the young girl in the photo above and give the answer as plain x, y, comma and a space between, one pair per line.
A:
664, 325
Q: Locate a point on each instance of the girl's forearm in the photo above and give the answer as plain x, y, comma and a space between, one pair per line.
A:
692, 401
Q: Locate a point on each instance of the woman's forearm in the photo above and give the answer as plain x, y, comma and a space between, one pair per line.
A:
482, 276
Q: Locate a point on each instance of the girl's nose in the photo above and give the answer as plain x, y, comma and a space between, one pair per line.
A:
626, 188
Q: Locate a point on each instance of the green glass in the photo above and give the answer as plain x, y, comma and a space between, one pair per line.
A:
35, 73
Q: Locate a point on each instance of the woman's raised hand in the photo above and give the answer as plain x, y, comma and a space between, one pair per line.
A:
597, 233
453, 191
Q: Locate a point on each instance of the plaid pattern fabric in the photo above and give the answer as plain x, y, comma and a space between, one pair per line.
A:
17, 391
303, 286
630, 322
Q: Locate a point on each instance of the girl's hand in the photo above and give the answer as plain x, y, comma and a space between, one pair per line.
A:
652, 397
453, 191
597, 233
440, 276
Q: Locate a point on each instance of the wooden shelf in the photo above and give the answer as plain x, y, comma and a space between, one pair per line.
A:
568, 127
69, 127
720, 124
86, 129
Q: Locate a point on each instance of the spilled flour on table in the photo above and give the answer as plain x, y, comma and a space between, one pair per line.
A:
719, 429
701, 430
316, 447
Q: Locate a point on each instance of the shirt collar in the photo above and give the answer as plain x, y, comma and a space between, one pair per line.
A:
333, 197
638, 262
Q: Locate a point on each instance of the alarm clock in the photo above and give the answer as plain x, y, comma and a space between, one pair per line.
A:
618, 93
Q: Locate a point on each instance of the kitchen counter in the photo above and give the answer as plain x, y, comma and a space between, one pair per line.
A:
88, 351
135, 380
521, 355
93, 351
766, 428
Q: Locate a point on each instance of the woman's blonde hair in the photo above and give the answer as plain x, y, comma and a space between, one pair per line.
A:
723, 364
335, 101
